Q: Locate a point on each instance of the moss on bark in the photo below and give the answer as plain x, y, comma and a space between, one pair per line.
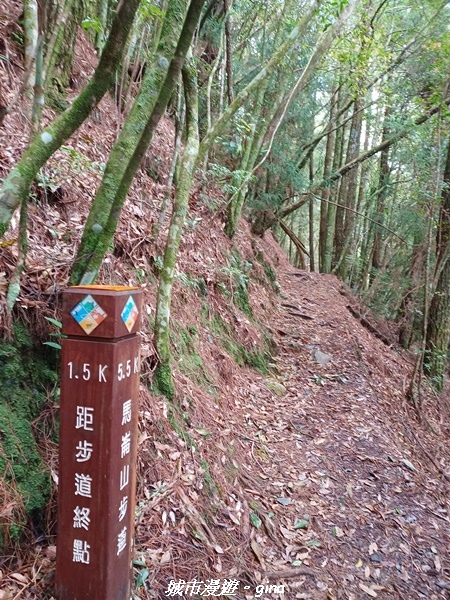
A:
135, 138
180, 205
24, 377
163, 381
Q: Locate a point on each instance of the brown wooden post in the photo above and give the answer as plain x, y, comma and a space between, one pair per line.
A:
98, 442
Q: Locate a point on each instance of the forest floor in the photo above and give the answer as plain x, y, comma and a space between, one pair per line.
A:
335, 489
313, 473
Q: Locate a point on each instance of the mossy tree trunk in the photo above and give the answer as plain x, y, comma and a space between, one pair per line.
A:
135, 138
163, 373
31, 31
382, 194
349, 187
438, 331
16, 186
338, 153
60, 52
326, 193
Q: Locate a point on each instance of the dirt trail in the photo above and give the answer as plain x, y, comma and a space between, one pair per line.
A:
354, 495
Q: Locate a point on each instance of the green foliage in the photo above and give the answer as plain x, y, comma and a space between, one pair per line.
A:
58, 334
162, 382
179, 421
255, 358
197, 283
24, 376
229, 180
210, 485
149, 10
237, 271
92, 24
189, 360
329, 12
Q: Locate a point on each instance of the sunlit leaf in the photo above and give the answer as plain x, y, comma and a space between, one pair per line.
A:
255, 520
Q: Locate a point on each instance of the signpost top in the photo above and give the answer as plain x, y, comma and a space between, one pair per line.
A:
102, 311
104, 288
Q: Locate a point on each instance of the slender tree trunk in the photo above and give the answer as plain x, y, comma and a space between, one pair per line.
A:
326, 192
38, 87
407, 312
31, 30
163, 373
179, 126
129, 150
350, 187
15, 187
102, 11
228, 56
438, 331
312, 266
333, 196
361, 235
382, 193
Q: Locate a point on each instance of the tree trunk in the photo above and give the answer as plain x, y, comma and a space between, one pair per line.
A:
438, 331
383, 187
333, 195
163, 373
325, 196
350, 187
179, 127
16, 185
31, 30
407, 312
312, 266
228, 56
131, 146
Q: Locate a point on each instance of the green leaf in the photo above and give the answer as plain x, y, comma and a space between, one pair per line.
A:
139, 562
53, 345
92, 23
142, 577
151, 10
54, 322
301, 525
313, 543
255, 520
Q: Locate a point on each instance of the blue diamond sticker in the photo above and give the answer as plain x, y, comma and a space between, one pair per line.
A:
129, 313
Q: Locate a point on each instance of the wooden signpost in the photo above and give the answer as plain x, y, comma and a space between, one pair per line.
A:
98, 442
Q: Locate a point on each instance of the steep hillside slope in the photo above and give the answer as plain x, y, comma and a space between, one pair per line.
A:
289, 456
